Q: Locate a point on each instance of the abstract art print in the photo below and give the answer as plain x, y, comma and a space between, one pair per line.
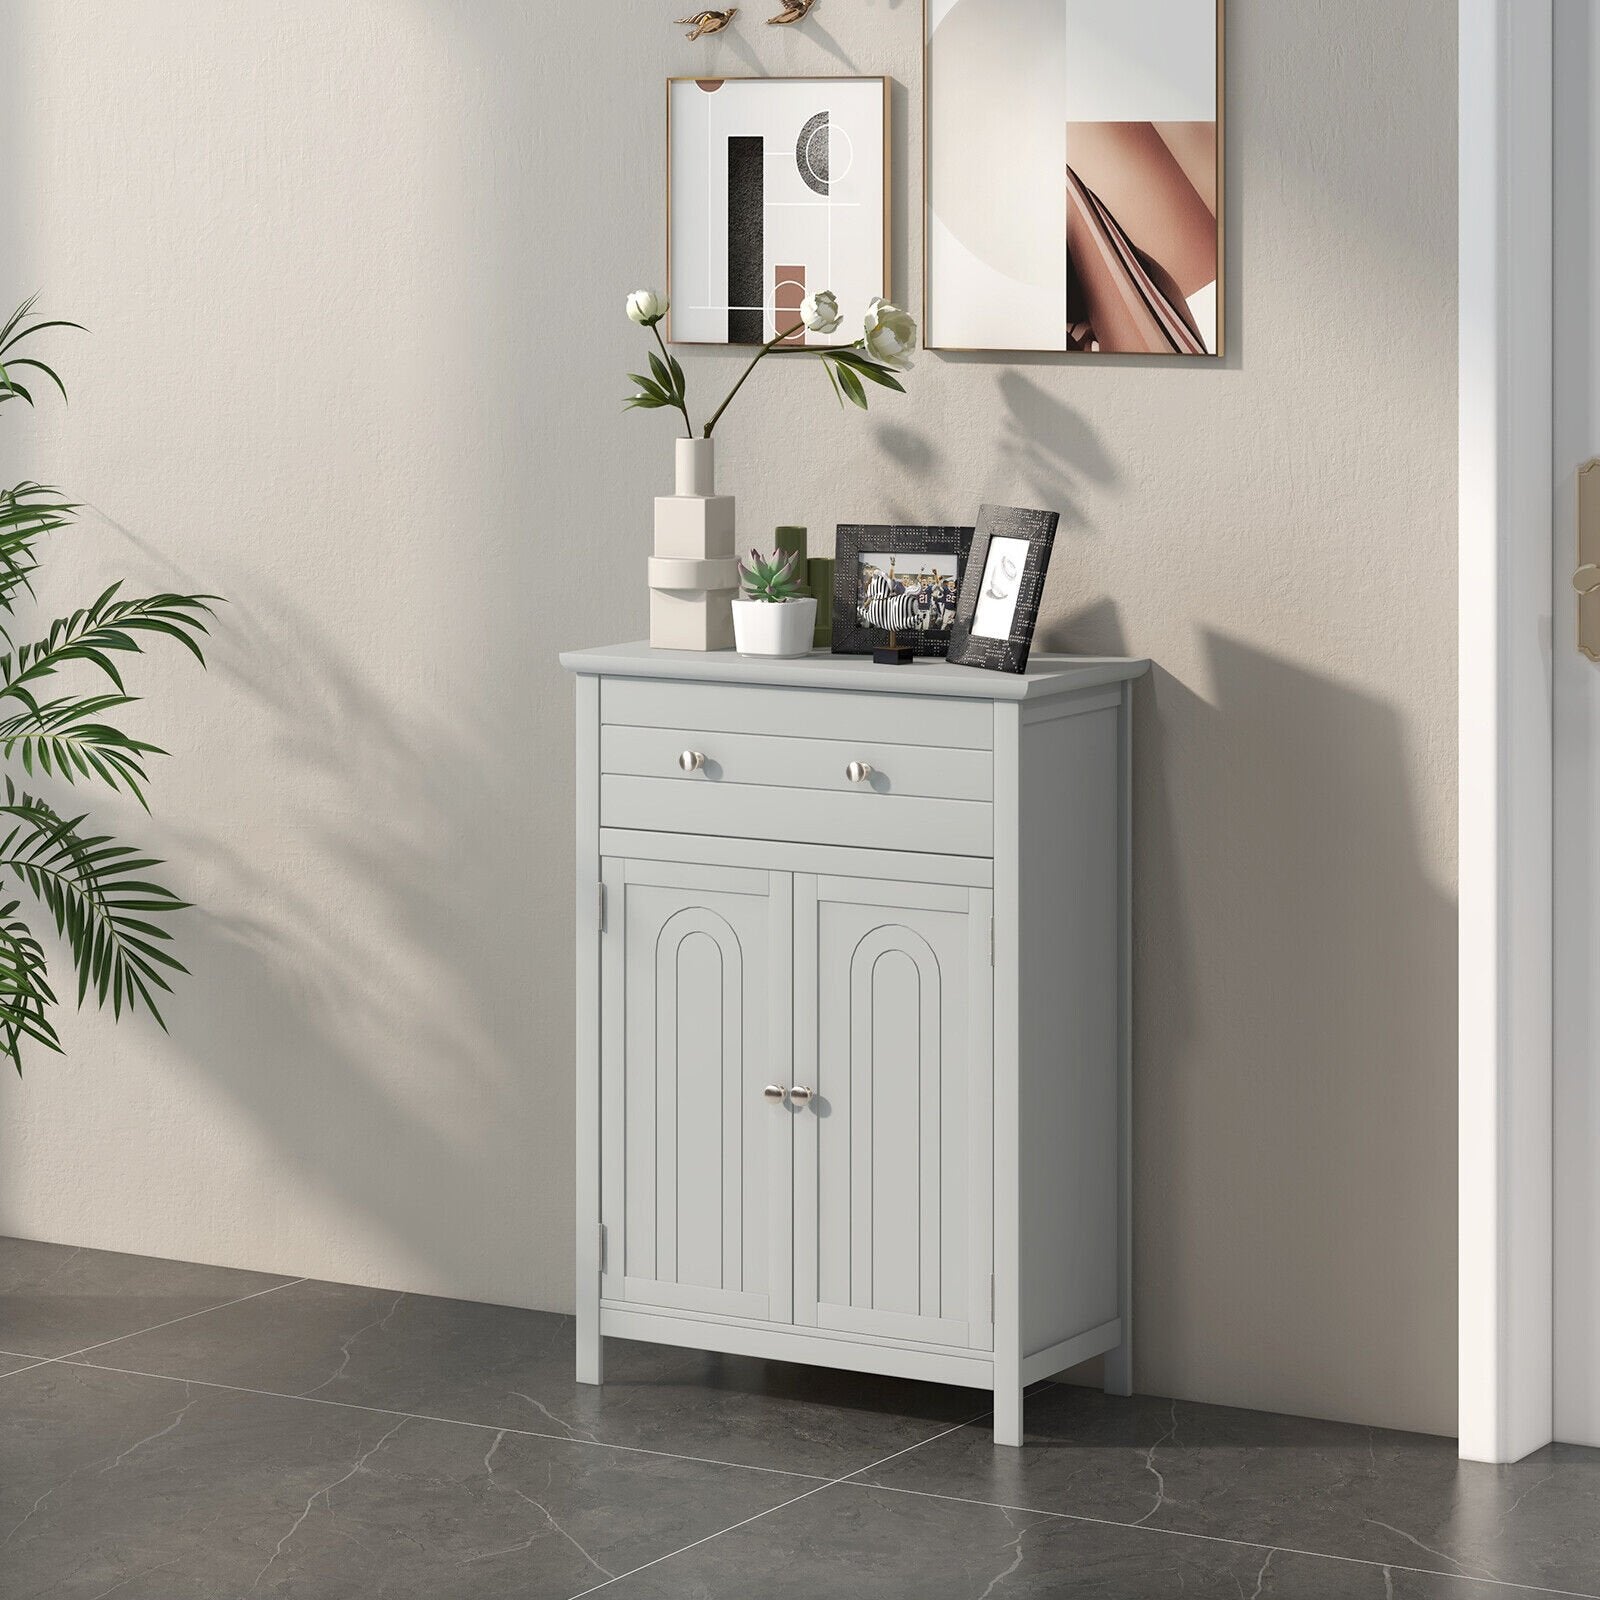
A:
1073, 158
777, 188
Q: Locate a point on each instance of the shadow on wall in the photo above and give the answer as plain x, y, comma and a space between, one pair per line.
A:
1305, 1129
1046, 453
1288, 1147
1052, 448
312, 985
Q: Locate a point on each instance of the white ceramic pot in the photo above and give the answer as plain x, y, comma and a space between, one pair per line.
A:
774, 628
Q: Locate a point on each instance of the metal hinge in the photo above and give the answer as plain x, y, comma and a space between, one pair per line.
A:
603, 1248
600, 907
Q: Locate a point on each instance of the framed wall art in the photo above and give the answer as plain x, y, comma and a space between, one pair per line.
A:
776, 188
1001, 585
1072, 176
899, 580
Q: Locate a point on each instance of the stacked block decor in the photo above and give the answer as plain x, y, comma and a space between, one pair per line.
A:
692, 574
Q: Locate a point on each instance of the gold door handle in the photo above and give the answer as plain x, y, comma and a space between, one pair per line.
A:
1586, 580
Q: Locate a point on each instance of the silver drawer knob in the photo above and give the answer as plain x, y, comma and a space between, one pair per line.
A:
800, 1094
692, 760
858, 772
773, 1091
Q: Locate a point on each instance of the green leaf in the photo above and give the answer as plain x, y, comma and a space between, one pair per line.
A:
649, 388
851, 385
880, 375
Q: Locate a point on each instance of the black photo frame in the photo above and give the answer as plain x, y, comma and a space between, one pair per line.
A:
853, 635
1016, 543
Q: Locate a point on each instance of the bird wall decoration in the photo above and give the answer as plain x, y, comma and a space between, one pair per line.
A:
704, 22
793, 11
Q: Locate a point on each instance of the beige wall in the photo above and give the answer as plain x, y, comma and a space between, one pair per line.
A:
355, 275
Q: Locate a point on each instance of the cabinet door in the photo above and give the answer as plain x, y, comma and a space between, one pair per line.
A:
696, 1021
893, 1158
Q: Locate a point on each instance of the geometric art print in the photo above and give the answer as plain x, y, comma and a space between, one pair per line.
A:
777, 188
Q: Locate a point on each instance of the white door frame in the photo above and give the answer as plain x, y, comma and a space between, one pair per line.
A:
1506, 711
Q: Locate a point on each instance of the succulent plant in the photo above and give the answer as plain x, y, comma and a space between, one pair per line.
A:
773, 577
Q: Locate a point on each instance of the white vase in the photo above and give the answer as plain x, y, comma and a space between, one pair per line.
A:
691, 572
774, 628
696, 464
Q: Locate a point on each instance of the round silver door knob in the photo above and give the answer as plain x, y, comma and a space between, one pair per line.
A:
858, 772
800, 1094
773, 1091
692, 760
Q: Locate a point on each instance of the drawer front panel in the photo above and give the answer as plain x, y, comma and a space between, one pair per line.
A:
818, 816
897, 769
800, 713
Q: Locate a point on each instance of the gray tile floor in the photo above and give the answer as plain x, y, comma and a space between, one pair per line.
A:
173, 1432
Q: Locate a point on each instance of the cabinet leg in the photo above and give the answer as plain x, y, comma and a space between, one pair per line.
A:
1118, 1374
1008, 1415
591, 1349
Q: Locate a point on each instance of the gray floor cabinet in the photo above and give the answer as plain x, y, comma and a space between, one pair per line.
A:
853, 1013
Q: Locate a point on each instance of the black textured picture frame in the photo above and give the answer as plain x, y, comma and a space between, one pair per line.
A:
1023, 589
851, 637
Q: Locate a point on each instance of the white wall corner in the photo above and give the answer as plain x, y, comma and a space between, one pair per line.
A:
1506, 754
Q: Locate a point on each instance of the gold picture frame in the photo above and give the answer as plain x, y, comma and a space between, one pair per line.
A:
886, 289
929, 331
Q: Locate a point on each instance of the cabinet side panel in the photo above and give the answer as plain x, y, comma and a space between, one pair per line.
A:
1068, 850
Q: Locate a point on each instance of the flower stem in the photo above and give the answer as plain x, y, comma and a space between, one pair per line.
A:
776, 339
683, 406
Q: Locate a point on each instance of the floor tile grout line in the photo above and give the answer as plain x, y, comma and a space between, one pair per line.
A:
832, 1483
42, 1361
204, 1311
454, 1422
1217, 1538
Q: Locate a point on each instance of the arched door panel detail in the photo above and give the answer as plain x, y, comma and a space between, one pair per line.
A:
892, 1174
696, 1020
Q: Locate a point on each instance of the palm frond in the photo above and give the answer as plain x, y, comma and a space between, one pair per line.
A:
96, 633
62, 737
101, 907
25, 992
27, 513
16, 329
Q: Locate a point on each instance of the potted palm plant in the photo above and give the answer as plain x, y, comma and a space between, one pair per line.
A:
97, 892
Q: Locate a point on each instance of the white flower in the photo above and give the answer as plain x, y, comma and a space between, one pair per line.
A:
820, 312
647, 307
891, 335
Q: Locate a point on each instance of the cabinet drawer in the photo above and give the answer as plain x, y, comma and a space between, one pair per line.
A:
936, 772
861, 817
886, 718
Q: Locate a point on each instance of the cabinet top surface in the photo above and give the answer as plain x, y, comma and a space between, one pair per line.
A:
1046, 674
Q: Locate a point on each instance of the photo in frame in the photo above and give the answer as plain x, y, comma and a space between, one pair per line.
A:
776, 188
896, 579
1001, 586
